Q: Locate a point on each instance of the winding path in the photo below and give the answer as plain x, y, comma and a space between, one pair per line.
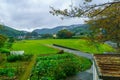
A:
86, 75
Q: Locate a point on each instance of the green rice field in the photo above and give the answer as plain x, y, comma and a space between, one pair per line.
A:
39, 46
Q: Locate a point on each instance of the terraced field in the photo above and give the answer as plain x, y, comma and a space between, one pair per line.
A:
39, 46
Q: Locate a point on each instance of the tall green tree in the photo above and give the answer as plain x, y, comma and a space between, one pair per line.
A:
2, 40
64, 34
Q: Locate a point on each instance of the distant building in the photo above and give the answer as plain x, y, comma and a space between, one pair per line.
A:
106, 67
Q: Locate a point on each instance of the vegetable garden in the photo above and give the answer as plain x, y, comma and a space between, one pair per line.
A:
13, 66
59, 66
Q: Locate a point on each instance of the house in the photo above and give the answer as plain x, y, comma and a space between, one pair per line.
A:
106, 67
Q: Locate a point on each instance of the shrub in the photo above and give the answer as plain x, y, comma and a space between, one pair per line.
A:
9, 72
27, 57
4, 50
13, 58
8, 45
61, 52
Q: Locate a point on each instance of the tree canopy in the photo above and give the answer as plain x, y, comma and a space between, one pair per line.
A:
83, 10
104, 19
106, 25
64, 34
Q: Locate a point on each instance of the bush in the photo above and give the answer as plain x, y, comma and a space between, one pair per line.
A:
4, 50
27, 57
9, 72
60, 52
13, 58
8, 45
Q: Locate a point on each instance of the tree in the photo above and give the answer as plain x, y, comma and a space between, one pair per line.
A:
46, 36
64, 34
35, 34
83, 9
2, 40
104, 19
106, 26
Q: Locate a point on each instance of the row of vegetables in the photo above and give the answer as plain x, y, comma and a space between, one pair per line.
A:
58, 67
12, 66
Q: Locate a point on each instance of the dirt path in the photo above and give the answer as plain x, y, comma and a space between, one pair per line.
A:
29, 68
86, 75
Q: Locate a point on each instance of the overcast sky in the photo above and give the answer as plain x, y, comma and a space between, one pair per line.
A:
34, 14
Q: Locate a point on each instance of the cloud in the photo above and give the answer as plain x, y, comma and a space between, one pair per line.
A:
32, 14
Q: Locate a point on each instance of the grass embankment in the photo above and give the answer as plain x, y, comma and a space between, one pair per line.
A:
38, 46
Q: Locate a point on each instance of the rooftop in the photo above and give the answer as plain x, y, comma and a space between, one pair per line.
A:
108, 65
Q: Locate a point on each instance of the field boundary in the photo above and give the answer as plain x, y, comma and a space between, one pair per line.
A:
65, 47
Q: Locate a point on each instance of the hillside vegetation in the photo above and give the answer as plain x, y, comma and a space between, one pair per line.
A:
10, 32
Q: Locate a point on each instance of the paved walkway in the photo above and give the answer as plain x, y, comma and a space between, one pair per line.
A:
86, 75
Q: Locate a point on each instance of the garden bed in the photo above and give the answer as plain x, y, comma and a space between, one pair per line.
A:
59, 66
12, 67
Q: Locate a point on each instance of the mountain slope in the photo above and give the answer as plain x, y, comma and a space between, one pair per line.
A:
72, 28
10, 32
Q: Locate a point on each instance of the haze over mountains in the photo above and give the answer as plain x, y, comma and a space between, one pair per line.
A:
5, 30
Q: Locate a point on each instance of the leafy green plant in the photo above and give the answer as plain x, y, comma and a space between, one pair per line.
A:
59, 66
9, 72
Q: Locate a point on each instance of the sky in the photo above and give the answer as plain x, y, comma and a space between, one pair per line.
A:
34, 14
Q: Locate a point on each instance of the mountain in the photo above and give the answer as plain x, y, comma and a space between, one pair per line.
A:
72, 28
10, 32
81, 29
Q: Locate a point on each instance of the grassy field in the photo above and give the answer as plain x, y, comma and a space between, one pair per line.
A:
38, 46
33, 47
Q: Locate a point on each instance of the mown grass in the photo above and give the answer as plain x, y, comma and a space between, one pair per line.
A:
38, 46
